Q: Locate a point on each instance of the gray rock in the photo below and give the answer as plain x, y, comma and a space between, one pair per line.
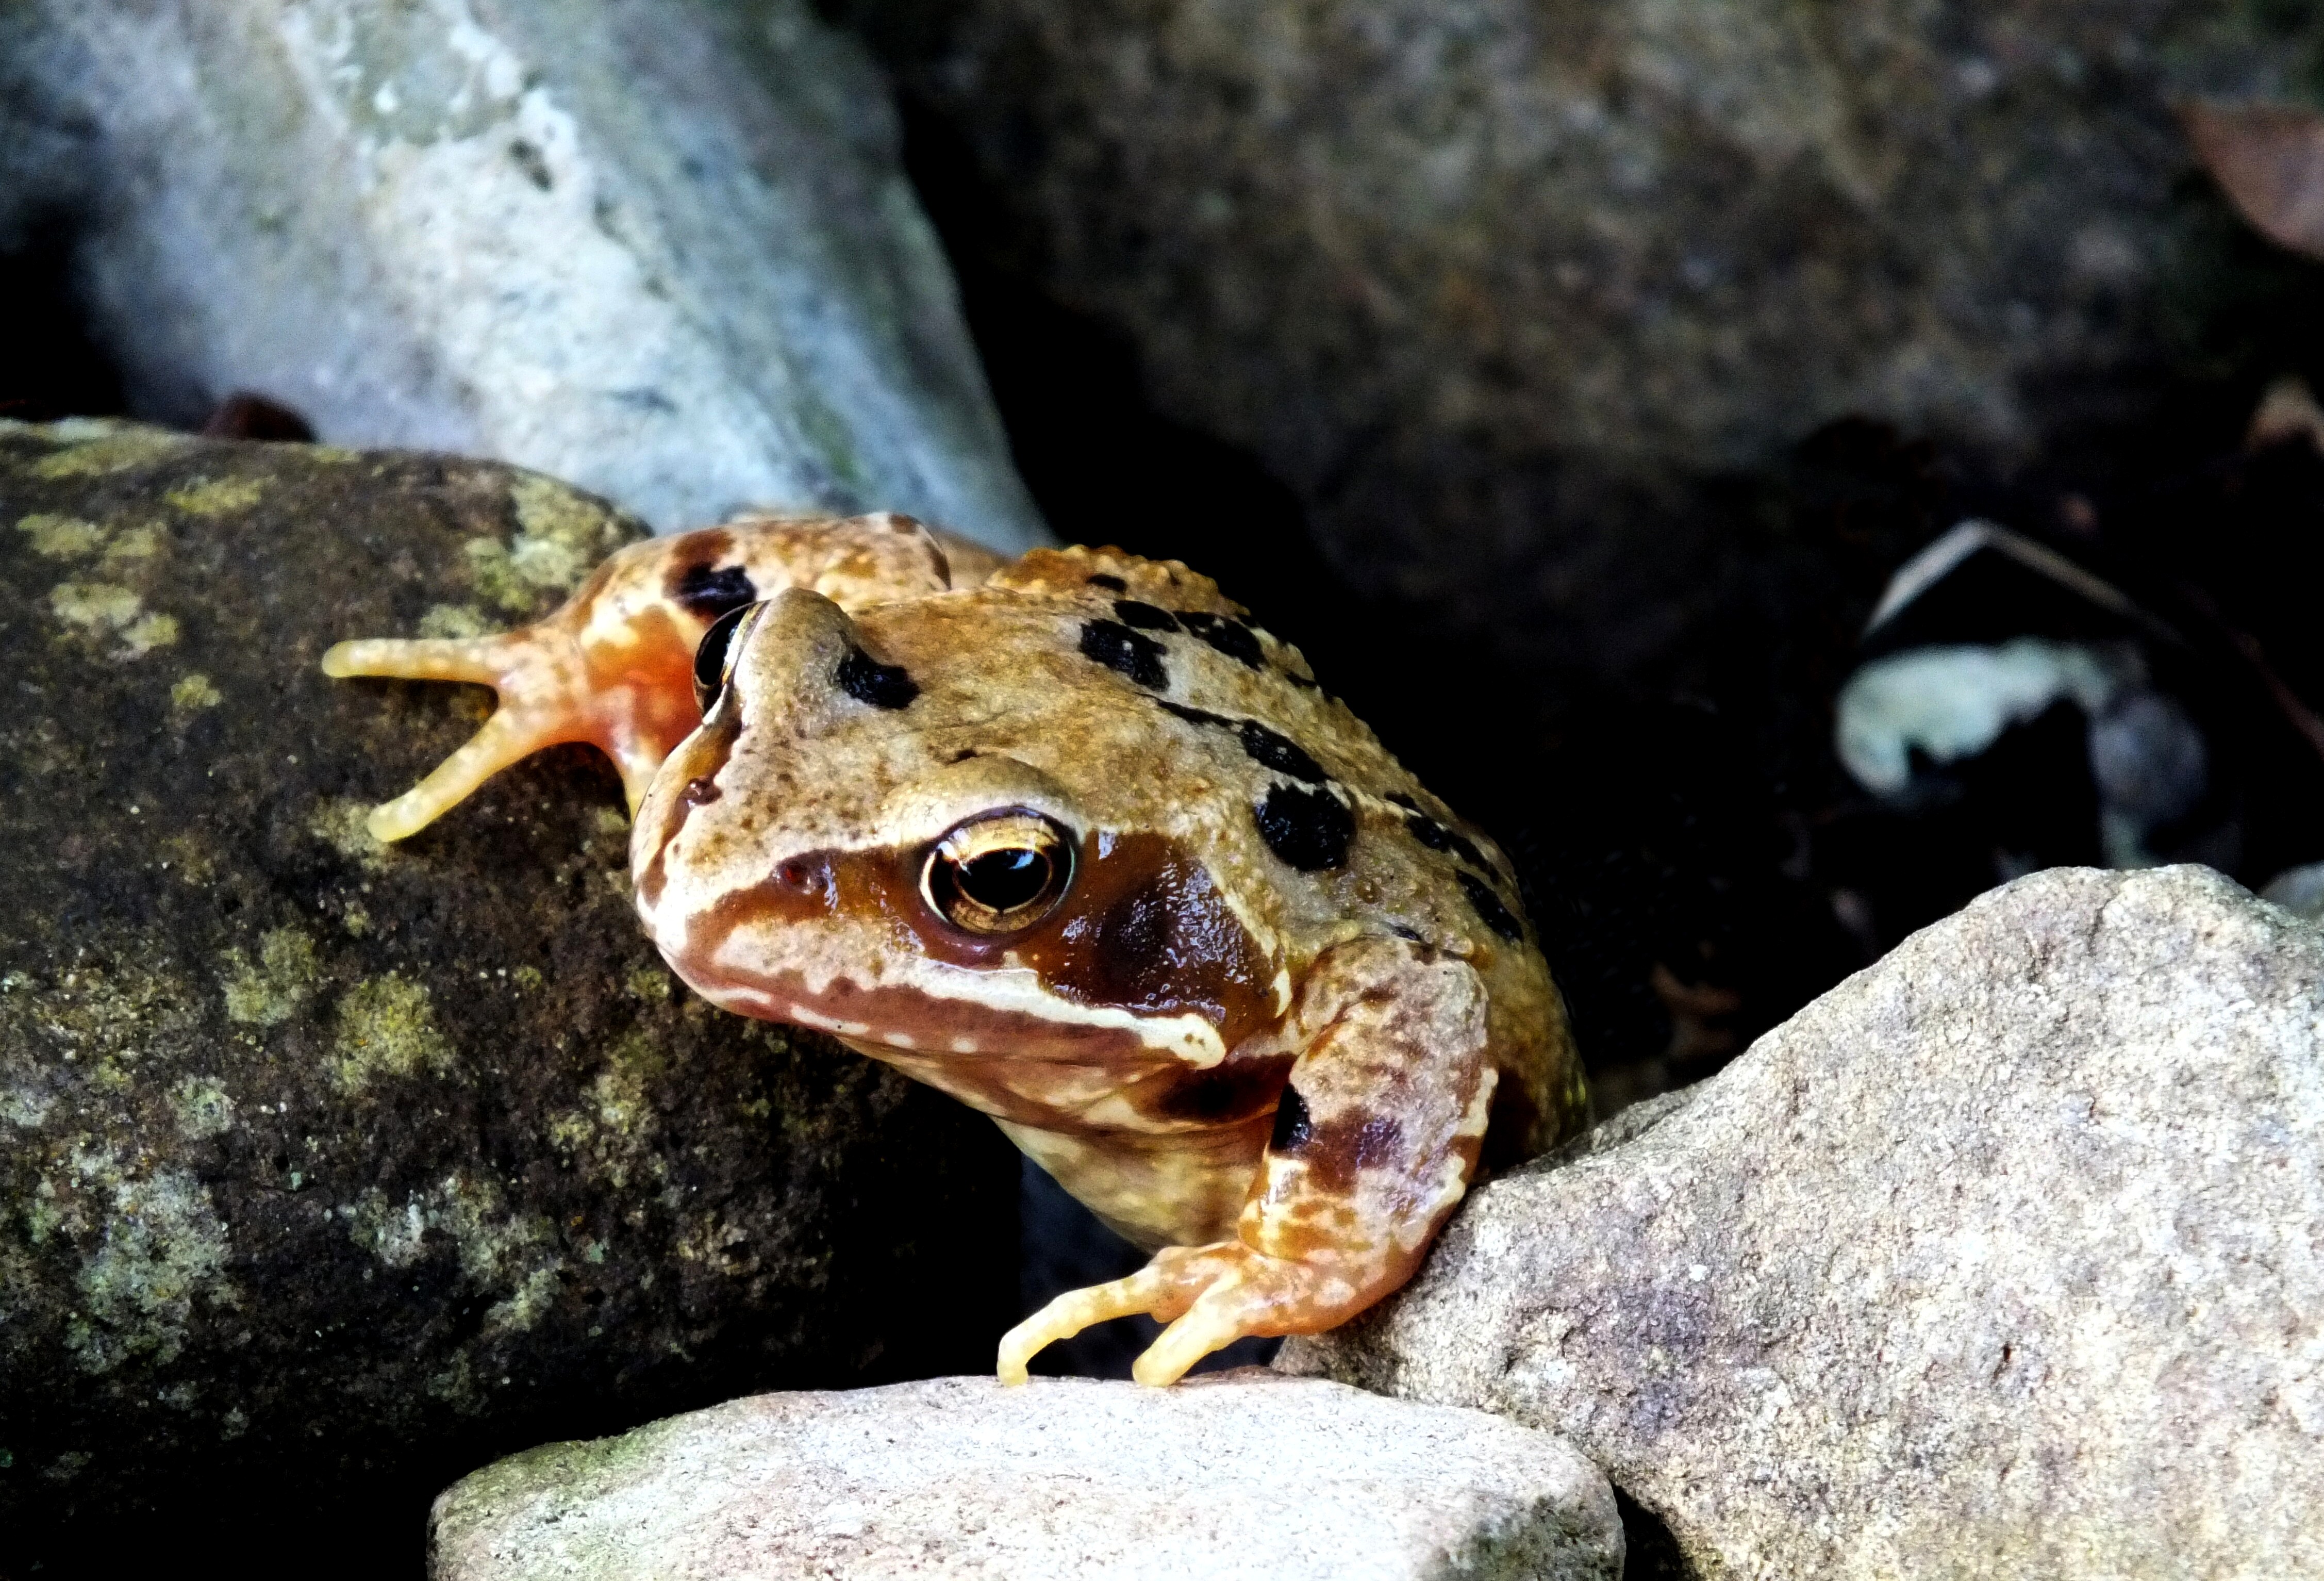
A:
328, 1171
1485, 278
1237, 1475
664, 248
2299, 890
2000, 1259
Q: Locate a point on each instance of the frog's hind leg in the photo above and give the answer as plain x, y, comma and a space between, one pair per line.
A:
546, 699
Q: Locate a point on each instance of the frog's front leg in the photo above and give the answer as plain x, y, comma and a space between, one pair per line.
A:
614, 667
552, 690
1376, 1137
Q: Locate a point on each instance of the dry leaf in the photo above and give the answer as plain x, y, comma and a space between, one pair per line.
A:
2270, 158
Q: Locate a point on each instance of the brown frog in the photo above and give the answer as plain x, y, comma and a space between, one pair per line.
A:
1073, 841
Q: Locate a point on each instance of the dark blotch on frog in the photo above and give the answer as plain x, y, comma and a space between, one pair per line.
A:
867, 681
1308, 829
1127, 652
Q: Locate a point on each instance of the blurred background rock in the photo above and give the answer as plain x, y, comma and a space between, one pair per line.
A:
663, 250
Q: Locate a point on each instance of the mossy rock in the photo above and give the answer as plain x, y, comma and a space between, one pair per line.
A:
328, 1171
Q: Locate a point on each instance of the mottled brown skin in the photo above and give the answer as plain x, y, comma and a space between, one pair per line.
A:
1261, 1028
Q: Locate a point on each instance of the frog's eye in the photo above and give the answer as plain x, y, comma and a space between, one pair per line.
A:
714, 655
999, 872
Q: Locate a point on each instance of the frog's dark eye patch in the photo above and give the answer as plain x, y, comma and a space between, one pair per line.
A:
714, 656
999, 872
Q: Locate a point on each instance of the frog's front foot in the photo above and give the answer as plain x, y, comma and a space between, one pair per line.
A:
1210, 1296
634, 702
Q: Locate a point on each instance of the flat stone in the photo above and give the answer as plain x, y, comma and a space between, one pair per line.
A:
2000, 1259
330, 1171
1234, 1475
663, 248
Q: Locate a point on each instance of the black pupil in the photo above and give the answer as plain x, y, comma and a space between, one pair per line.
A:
1002, 880
710, 656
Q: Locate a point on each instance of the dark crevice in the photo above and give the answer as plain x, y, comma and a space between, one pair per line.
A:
1652, 1553
49, 366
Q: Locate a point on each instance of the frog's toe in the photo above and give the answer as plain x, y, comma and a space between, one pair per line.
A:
506, 737
1075, 1310
486, 659
1219, 1316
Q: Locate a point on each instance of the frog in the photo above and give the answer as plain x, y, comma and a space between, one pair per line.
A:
1072, 839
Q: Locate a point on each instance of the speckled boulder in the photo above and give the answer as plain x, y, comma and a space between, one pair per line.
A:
328, 1171
1241, 1476
2002, 1259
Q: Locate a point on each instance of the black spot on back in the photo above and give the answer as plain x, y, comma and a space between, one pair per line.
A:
1131, 653
1195, 716
1145, 616
1437, 837
867, 681
711, 592
1308, 829
1496, 916
1281, 753
1293, 1125
1231, 637
1104, 580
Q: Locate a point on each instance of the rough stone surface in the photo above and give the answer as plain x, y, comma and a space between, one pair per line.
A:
1487, 280
1238, 1475
2004, 1258
328, 1171
664, 248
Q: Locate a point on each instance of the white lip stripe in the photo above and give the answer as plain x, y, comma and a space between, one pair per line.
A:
1186, 1038
845, 1029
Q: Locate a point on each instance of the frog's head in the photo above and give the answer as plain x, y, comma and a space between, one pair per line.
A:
909, 830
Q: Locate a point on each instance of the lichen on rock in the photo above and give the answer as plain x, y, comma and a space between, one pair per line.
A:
387, 1028
328, 1170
